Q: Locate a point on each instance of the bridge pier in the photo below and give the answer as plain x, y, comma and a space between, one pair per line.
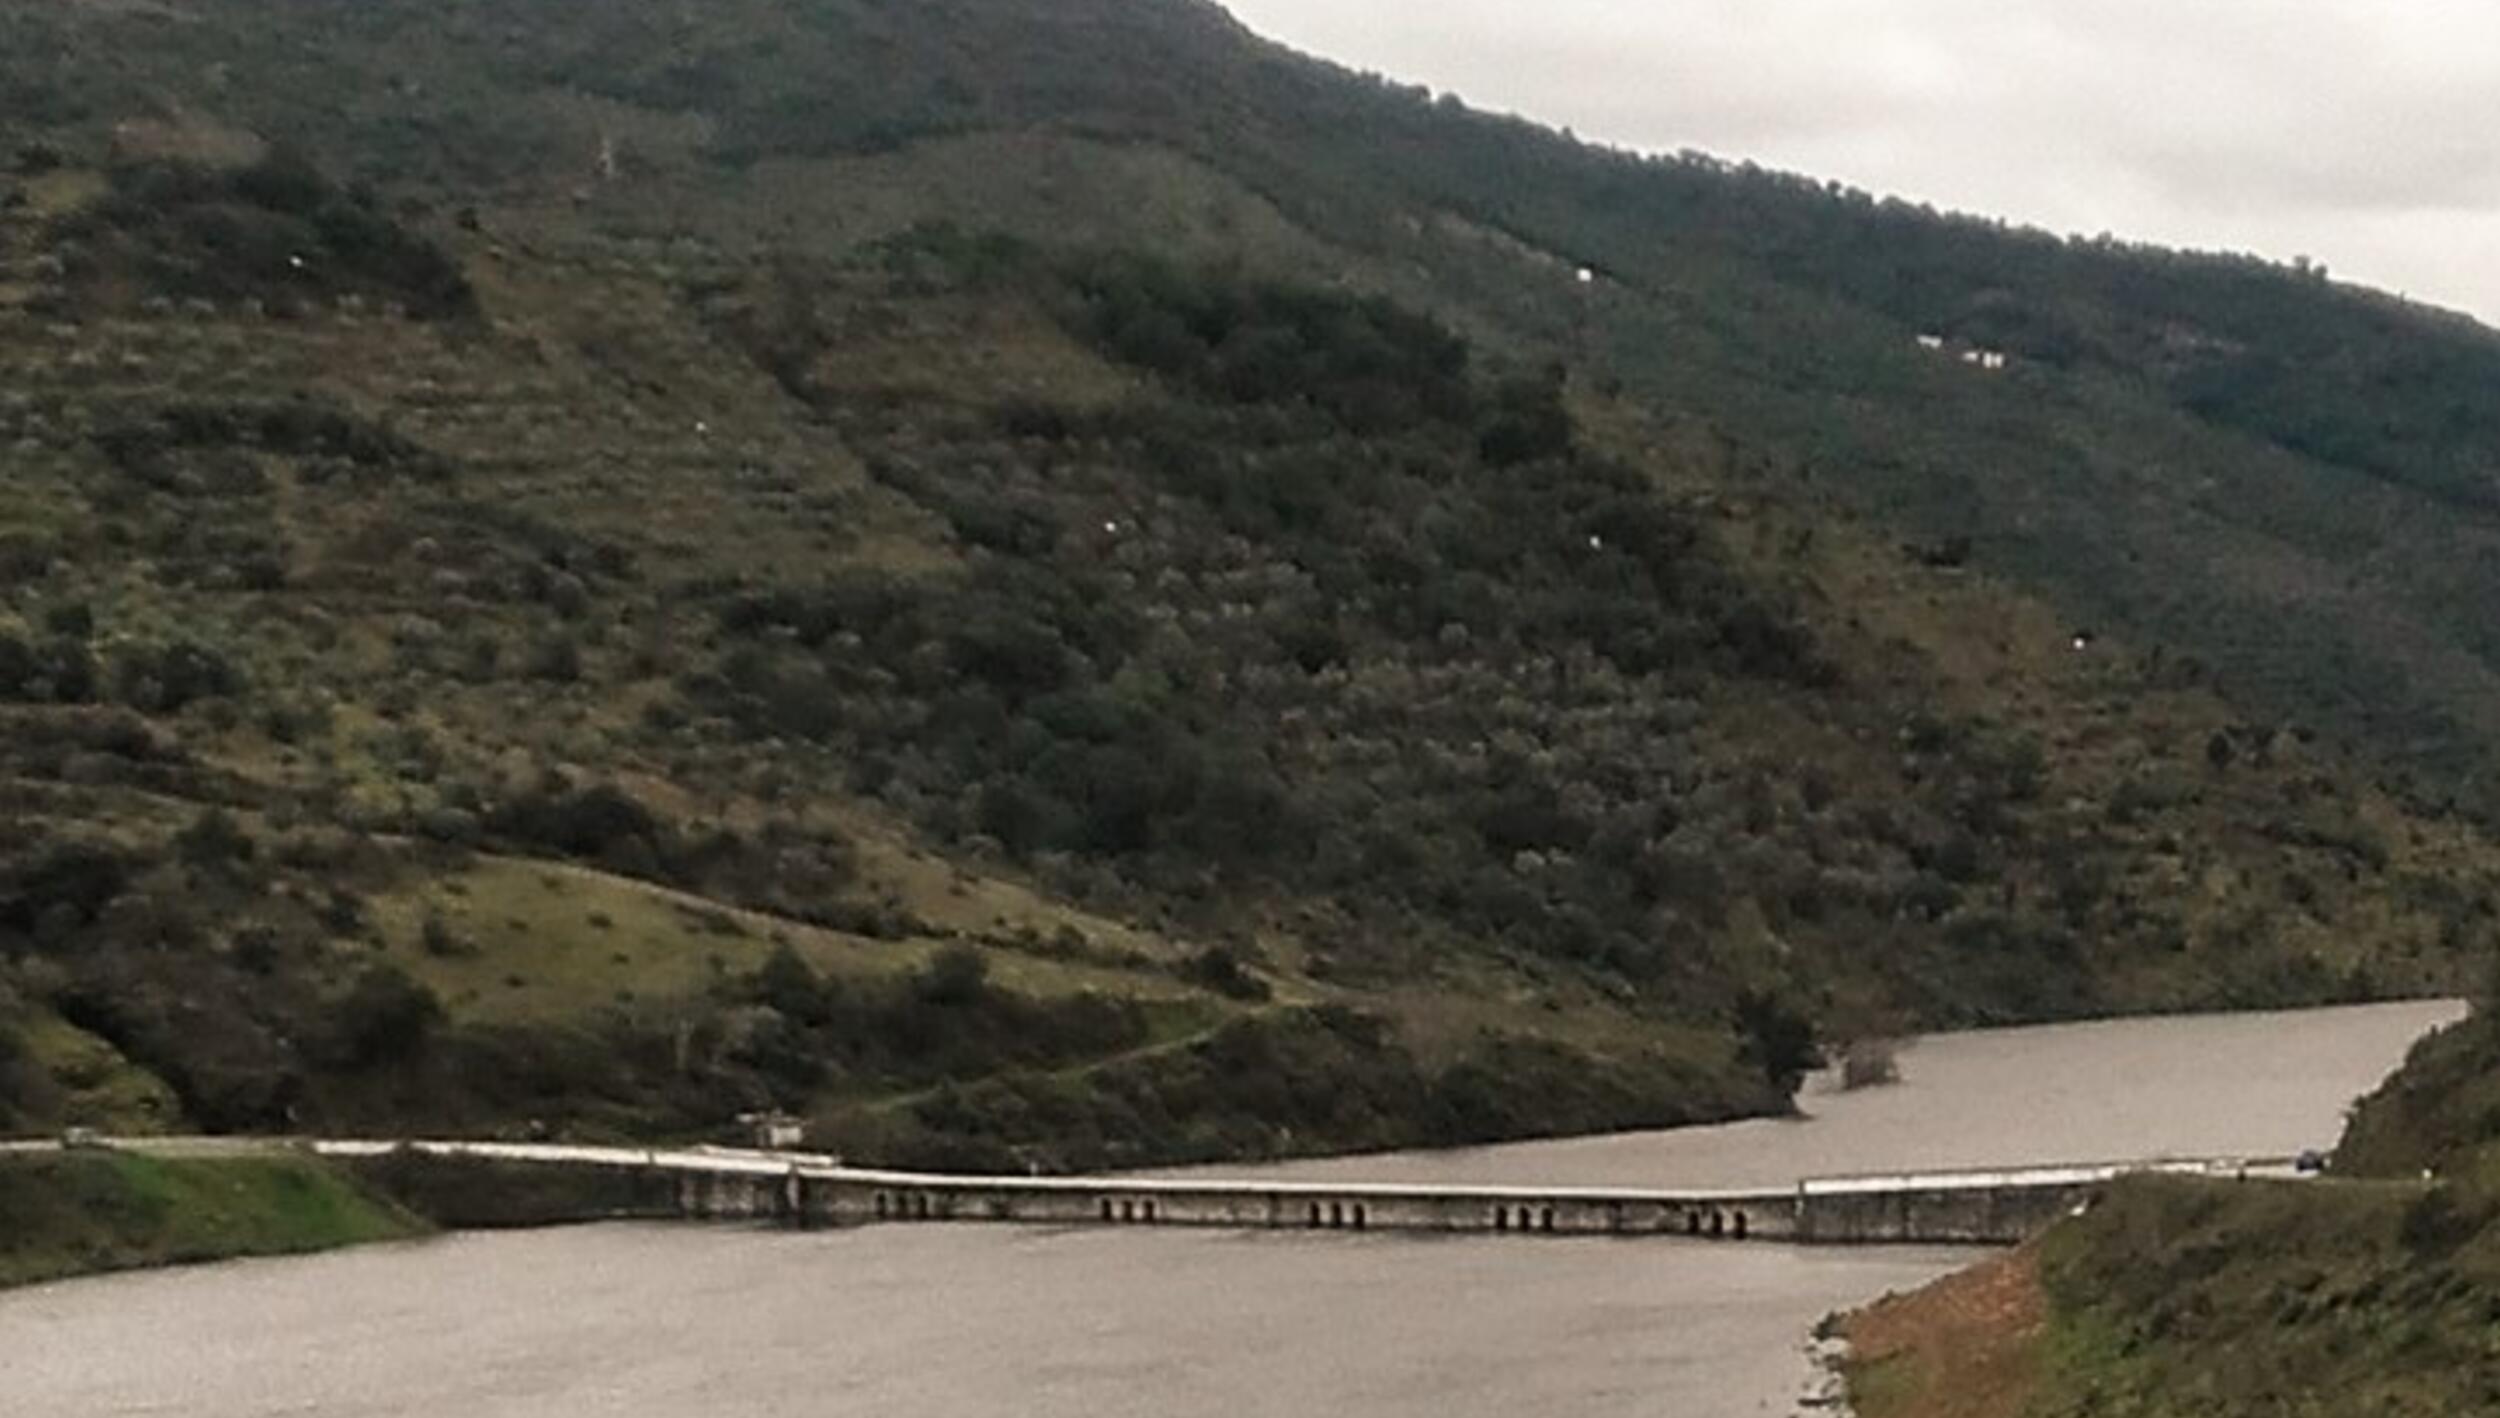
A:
874, 1198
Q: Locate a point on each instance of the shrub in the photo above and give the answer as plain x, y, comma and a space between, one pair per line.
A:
957, 976
1219, 968
386, 1018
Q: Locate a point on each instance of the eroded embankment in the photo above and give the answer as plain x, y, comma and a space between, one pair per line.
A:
2214, 1299
84, 1212
1967, 1346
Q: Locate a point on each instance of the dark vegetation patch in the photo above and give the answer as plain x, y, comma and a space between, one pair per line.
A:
1273, 1086
2434, 1114
159, 446
278, 232
1178, 631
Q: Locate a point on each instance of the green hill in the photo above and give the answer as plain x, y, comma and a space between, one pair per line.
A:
1060, 584
2372, 1291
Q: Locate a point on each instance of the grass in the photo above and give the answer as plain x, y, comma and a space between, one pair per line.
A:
105, 1090
2176, 1297
82, 1213
537, 941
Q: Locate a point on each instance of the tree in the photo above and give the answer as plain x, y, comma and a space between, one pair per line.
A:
959, 975
1776, 1039
386, 1018
790, 987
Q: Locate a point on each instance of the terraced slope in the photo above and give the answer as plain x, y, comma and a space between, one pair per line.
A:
1033, 611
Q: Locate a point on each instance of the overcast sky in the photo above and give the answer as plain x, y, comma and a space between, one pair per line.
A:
2361, 133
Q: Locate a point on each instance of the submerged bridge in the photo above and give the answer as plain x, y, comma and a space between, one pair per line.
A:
1987, 1208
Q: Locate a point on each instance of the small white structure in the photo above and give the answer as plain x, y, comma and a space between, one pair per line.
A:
774, 1132
1972, 355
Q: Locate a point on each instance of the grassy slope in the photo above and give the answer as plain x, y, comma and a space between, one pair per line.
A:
81, 1213
2376, 1292
2437, 1113
2200, 450
2294, 1299
2212, 1299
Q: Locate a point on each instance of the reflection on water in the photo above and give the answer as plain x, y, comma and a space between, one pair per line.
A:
946, 1322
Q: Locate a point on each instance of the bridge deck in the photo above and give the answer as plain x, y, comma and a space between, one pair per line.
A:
1982, 1207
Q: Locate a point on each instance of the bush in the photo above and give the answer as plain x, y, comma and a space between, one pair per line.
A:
957, 976
215, 842
599, 823
385, 1019
167, 679
1220, 969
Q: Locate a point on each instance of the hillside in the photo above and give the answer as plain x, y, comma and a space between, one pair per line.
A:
2210, 1298
1067, 587
2287, 481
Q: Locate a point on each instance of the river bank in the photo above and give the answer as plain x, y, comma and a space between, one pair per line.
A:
90, 1211
2214, 1299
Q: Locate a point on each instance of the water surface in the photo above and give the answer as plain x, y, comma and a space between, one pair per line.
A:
2198, 1086
967, 1321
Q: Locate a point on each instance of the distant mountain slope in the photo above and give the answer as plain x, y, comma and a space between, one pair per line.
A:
2291, 481
1057, 584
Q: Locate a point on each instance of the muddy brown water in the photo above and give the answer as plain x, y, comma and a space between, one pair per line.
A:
956, 1321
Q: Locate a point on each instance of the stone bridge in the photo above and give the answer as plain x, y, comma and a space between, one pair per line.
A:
1986, 1208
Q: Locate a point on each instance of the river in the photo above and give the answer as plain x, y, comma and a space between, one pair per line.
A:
954, 1322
